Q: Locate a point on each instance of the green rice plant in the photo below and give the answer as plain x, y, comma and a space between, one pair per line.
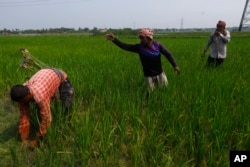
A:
195, 121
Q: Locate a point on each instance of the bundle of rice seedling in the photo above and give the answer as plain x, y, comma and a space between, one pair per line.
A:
30, 62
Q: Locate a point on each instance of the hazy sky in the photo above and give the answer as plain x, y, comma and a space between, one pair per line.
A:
39, 14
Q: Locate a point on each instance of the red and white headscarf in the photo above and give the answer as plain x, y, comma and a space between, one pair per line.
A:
221, 24
146, 32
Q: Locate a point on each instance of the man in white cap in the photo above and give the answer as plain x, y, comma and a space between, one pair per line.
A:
150, 56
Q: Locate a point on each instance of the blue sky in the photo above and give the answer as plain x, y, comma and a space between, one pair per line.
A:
39, 14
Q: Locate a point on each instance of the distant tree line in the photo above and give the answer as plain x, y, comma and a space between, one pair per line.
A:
45, 31
62, 30
96, 31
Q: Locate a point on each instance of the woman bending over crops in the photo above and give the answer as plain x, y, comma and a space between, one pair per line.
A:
40, 88
150, 56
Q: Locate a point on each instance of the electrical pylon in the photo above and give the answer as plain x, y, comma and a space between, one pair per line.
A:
245, 19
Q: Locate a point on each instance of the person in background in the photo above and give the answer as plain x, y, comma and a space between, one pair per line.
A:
218, 45
40, 88
150, 56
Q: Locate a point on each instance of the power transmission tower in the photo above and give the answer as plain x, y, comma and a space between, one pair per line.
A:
181, 24
245, 16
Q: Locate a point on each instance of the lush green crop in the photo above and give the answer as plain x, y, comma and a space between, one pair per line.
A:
201, 115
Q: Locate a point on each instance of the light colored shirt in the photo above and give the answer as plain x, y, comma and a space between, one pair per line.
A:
218, 45
42, 85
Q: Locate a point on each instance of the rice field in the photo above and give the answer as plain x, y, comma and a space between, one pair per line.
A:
195, 121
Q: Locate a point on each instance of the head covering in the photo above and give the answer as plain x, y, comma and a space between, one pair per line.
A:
146, 32
221, 24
